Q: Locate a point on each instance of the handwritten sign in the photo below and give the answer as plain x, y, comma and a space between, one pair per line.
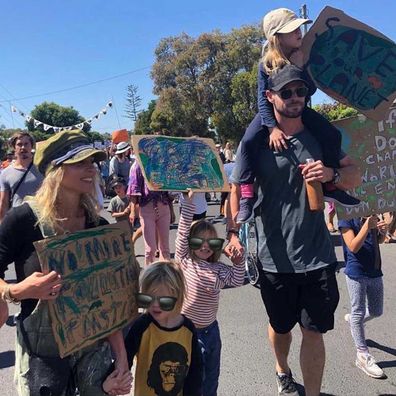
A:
373, 147
176, 164
99, 280
351, 62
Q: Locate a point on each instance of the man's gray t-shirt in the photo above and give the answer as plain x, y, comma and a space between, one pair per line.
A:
291, 238
10, 177
120, 168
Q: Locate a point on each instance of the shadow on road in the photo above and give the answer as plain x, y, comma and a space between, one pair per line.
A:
7, 359
374, 344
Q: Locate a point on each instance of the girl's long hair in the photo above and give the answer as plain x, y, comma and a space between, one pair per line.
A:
48, 200
273, 56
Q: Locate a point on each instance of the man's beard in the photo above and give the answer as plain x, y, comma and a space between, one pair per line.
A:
287, 113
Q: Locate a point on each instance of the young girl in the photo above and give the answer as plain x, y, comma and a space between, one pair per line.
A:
164, 341
282, 30
198, 250
360, 239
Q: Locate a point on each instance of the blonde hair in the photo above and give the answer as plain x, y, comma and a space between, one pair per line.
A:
200, 227
166, 273
274, 57
47, 199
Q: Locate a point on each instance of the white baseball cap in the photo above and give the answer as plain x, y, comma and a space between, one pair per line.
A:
281, 20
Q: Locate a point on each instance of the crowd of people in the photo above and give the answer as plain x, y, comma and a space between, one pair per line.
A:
175, 342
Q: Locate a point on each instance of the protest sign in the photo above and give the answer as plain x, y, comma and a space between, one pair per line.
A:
99, 280
351, 62
373, 147
176, 164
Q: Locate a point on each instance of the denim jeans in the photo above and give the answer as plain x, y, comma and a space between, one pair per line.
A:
210, 344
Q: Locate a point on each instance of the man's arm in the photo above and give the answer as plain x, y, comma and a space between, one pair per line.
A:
4, 203
349, 173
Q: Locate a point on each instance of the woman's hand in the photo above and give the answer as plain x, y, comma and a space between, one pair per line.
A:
38, 286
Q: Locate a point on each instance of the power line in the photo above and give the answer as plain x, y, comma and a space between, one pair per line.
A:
77, 86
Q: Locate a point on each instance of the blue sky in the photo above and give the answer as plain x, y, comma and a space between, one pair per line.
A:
51, 45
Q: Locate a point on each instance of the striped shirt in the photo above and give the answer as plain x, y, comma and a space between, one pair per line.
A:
204, 279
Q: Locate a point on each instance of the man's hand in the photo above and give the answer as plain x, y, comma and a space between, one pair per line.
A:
234, 246
236, 255
316, 171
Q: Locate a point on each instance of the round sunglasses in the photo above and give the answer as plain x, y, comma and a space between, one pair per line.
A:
213, 243
288, 93
166, 303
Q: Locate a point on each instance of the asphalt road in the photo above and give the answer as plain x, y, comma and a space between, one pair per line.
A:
247, 363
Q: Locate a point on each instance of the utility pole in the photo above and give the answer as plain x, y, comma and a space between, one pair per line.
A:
304, 14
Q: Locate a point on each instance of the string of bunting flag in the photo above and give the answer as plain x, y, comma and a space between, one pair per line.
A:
47, 127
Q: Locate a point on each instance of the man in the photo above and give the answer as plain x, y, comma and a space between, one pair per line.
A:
296, 255
120, 163
21, 177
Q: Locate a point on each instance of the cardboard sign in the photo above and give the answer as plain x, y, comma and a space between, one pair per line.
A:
100, 277
351, 62
176, 164
373, 147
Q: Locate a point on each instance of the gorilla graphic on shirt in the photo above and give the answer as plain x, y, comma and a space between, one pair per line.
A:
168, 369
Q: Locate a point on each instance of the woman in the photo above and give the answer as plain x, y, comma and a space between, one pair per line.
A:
64, 203
153, 208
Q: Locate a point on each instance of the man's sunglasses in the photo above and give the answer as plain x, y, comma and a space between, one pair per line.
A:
166, 303
213, 243
288, 93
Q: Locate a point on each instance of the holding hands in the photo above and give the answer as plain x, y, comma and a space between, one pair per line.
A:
118, 383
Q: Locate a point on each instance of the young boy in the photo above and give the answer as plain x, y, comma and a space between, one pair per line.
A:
119, 205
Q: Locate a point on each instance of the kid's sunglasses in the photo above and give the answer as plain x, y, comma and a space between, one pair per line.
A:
213, 243
288, 93
166, 303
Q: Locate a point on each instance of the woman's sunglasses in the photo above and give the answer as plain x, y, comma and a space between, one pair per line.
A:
166, 303
288, 93
213, 243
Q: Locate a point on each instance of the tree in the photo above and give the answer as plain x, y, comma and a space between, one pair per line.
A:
335, 110
56, 115
213, 76
133, 102
143, 123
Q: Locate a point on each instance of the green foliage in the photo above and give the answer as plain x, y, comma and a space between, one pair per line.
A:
143, 121
54, 114
212, 76
335, 110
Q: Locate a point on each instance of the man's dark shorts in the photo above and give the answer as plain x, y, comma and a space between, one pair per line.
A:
309, 299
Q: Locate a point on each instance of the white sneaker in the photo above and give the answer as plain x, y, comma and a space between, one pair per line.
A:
347, 317
368, 364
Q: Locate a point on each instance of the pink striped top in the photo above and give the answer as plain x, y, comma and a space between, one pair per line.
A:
204, 279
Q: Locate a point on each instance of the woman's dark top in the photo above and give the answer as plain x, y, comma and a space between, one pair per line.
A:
17, 234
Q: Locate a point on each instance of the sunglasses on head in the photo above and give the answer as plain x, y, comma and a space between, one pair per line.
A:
166, 303
288, 93
213, 243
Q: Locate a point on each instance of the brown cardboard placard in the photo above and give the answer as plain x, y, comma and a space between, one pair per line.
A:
372, 145
100, 277
176, 164
351, 62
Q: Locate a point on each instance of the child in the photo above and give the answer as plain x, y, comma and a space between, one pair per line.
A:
168, 360
360, 239
119, 205
198, 250
282, 30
